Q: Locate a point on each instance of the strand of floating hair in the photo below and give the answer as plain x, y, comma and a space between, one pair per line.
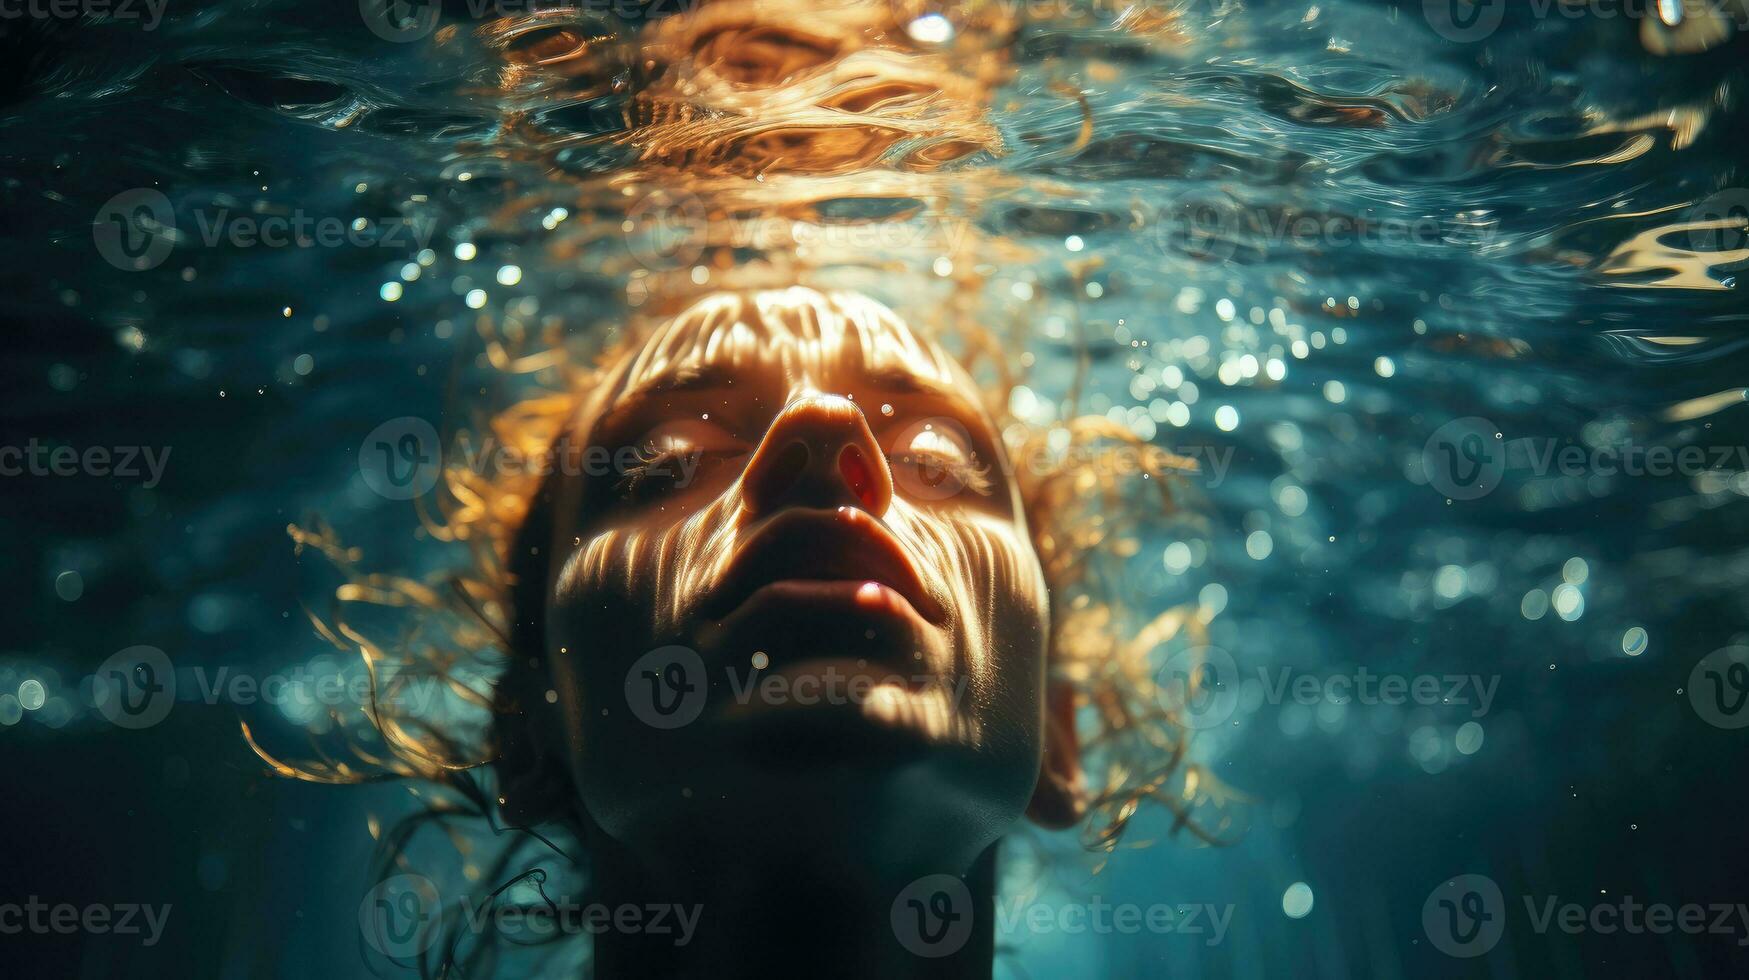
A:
395, 729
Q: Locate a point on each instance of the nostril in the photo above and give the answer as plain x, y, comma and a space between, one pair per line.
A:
782, 472
859, 477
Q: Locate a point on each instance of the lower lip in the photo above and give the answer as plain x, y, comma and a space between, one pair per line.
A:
863, 597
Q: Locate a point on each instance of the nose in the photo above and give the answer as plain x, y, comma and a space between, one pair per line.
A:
819, 452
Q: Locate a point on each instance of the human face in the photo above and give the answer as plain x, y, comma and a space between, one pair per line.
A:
820, 515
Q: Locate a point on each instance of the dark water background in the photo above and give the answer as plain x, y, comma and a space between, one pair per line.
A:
1533, 154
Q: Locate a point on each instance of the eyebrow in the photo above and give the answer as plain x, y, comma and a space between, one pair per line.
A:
684, 379
908, 383
712, 376
720, 376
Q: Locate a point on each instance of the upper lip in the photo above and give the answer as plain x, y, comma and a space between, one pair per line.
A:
821, 545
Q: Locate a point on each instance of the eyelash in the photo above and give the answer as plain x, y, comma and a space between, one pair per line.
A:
970, 474
655, 463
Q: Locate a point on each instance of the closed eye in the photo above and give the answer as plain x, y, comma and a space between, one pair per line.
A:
670, 455
936, 455
934, 466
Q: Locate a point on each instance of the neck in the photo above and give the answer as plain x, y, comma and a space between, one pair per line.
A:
796, 919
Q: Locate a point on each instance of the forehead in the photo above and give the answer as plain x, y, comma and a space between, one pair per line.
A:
831, 340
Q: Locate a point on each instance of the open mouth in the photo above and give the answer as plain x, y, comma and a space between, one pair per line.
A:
813, 555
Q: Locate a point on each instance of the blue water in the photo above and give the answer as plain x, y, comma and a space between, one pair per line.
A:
1512, 251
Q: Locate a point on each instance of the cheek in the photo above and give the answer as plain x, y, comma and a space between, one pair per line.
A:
629, 586
990, 576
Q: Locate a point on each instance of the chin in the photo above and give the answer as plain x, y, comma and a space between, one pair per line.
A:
785, 784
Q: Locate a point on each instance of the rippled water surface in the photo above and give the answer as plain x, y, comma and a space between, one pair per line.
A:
1453, 328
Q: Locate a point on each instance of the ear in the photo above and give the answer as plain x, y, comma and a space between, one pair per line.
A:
1059, 800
